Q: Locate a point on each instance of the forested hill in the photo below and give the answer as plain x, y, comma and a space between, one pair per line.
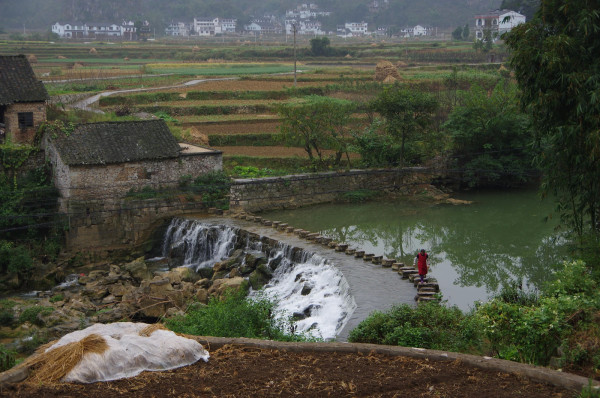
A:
39, 15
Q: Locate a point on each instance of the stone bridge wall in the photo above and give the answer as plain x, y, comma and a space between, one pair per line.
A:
306, 189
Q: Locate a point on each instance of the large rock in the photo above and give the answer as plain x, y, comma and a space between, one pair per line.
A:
138, 269
260, 276
220, 286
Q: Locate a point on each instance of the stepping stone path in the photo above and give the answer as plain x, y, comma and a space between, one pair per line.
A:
427, 291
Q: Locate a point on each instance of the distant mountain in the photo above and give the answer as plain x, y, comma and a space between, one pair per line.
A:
39, 15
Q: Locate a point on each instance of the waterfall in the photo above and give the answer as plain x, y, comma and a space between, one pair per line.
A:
312, 291
191, 243
304, 285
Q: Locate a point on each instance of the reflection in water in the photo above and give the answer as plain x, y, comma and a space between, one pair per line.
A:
474, 249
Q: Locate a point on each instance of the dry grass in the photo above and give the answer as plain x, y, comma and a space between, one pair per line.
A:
53, 365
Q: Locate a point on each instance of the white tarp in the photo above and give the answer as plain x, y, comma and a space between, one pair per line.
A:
129, 353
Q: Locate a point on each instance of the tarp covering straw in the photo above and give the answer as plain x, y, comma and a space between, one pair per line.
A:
114, 351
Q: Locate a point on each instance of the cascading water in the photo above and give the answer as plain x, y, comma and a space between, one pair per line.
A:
193, 244
313, 292
304, 285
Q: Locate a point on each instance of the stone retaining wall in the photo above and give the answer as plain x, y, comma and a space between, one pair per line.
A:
68, 98
306, 189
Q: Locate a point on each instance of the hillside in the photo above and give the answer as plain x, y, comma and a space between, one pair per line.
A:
39, 15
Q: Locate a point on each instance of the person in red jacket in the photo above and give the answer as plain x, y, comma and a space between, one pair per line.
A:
421, 262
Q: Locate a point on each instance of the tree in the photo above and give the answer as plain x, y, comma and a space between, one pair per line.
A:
319, 45
466, 32
318, 123
525, 7
457, 34
406, 113
491, 138
556, 63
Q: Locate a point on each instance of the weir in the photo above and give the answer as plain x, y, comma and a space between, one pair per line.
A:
329, 292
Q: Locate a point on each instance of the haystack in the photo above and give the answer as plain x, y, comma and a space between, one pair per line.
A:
61, 57
77, 65
348, 56
199, 137
126, 59
390, 80
93, 51
32, 59
385, 69
114, 351
195, 49
401, 64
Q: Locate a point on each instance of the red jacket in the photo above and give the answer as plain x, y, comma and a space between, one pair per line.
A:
422, 263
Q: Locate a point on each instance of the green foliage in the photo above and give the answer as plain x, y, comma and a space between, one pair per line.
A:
533, 331
233, 315
214, 188
56, 298
244, 139
166, 117
407, 114
7, 315
376, 149
555, 59
320, 45
142, 193
320, 122
31, 314
7, 358
251, 172
429, 325
491, 138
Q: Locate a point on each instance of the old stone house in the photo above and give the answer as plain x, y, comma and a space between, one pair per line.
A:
22, 100
107, 160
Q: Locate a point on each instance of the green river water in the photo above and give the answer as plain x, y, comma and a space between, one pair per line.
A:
474, 250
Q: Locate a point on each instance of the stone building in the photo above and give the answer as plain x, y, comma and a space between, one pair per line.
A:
105, 161
22, 100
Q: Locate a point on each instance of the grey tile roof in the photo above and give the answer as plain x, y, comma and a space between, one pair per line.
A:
116, 142
18, 83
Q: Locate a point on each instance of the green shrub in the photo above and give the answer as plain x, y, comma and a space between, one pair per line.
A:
361, 195
30, 314
233, 315
7, 315
429, 325
214, 188
57, 297
251, 172
7, 359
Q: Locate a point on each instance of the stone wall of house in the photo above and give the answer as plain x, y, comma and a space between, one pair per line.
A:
114, 181
300, 190
11, 119
121, 226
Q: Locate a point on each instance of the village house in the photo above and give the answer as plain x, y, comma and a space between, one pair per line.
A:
107, 160
22, 100
96, 30
263, 26
498, 22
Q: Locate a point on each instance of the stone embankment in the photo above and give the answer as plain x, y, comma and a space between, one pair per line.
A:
427, 291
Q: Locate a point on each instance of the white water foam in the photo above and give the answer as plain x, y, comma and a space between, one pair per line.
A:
310, 289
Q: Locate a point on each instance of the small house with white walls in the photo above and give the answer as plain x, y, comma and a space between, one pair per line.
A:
498, 22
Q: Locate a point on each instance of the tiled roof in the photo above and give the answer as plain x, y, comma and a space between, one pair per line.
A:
18, 82
116, 142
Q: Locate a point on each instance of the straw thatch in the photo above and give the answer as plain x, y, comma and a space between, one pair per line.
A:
53, 365
148, 330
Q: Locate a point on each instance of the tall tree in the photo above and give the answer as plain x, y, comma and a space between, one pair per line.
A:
491, 138
556, 63
317, 124
406, 113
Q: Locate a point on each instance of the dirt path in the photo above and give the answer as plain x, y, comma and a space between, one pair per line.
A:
242, 371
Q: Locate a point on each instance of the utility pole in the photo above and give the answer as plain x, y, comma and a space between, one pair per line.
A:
294, 26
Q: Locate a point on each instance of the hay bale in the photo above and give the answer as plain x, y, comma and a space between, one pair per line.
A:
77, 65
126, 59
61, 57
93, 51
32, 59
390, 80
401, 64
195, 49
199, 137
384, 69
348, 56
44, 365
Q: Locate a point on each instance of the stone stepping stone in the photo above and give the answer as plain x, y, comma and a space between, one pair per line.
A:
407, 273
282, 227
289, 229
341, 247
350, 251
388, 262
359, 253
267, 223
368, 257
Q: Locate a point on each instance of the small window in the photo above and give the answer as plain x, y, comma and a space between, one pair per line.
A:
25, 119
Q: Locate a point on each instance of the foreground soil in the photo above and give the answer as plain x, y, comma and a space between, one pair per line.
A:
241, 371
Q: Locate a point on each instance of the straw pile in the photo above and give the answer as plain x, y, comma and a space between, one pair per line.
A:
93, 51
148, 330
385, 69
32, 59
52, 366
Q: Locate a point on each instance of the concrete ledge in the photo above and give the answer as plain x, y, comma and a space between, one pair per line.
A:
536, 373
